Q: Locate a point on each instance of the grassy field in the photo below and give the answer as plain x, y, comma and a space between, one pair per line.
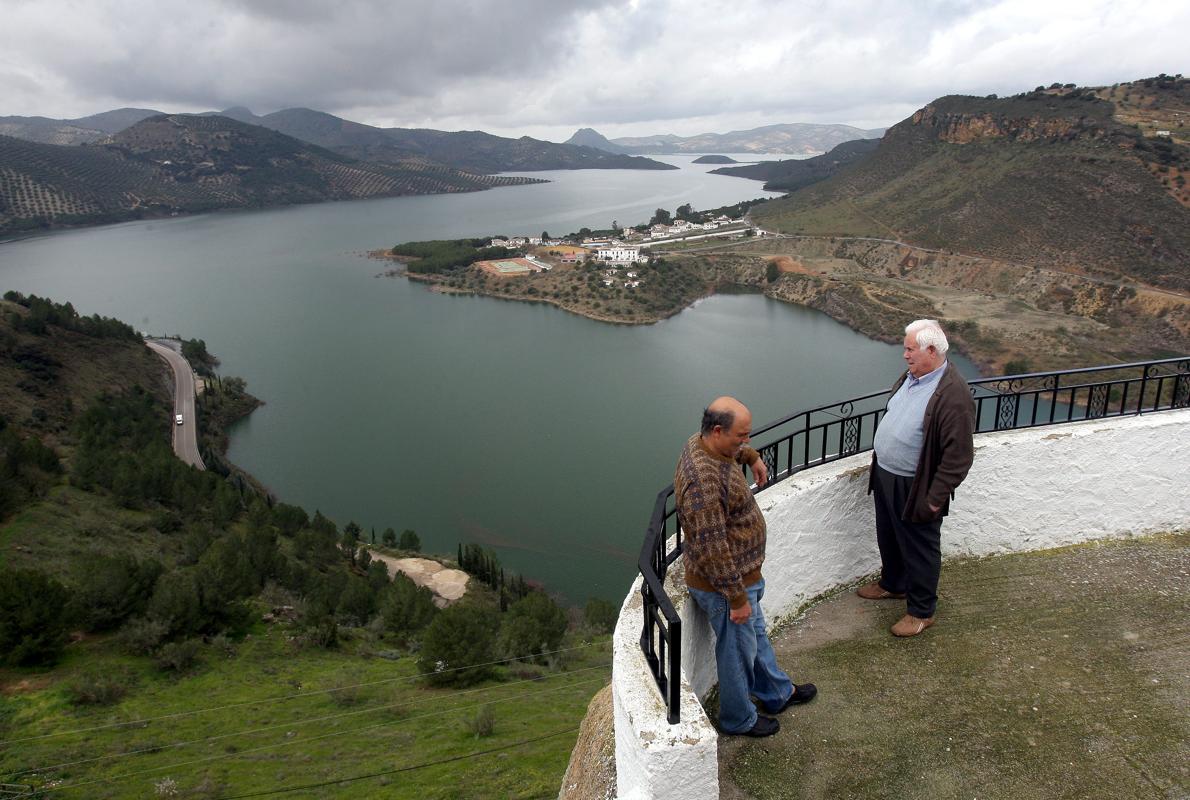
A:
265, 713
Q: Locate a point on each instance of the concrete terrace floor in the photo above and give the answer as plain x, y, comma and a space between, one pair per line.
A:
1060, 674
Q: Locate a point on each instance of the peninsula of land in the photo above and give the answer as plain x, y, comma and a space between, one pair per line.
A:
1006, 317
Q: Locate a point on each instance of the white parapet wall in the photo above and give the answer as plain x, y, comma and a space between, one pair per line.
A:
1027, 490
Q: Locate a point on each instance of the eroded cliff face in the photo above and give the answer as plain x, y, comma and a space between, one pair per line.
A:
957, 128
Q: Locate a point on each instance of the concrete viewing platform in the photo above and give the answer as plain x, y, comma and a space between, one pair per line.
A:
1056, 674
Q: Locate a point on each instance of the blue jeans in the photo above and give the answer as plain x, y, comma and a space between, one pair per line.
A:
745, 660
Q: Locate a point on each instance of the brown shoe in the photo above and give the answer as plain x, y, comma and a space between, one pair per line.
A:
910, 625
874, 591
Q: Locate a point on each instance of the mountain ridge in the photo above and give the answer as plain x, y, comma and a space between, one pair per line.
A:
180, 163
470, 151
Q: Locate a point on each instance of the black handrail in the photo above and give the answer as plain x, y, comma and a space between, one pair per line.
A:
832, 432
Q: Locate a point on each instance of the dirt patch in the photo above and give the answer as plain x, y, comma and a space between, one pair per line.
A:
561, 249
787, 264
448, 585
24, 685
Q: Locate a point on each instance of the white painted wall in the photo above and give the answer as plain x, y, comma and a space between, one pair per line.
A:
1027, 490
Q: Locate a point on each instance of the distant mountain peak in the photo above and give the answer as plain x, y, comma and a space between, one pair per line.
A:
589, 137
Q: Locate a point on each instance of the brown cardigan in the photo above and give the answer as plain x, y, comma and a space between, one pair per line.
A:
723, 526
946, 450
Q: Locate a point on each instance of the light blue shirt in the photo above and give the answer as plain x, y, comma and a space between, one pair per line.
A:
899, 436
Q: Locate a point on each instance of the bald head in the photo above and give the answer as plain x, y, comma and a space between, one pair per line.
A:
722, 411
726, 426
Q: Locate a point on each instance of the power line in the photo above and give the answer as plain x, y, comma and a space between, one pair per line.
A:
307, 721
410, 768
275, 745
283, 698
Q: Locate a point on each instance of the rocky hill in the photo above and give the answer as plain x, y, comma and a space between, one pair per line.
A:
182, 163
1052, 177
589, 137
797, 137
789, 175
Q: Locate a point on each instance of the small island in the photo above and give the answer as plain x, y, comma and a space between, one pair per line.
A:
715, 160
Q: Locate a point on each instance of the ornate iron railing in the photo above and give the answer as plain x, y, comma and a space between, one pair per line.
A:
829, 433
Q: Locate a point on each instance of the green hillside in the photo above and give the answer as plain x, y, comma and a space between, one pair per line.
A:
165, 631
1050, 177
183, 163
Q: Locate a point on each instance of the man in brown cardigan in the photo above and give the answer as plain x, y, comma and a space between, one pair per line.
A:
723, 552
921, 453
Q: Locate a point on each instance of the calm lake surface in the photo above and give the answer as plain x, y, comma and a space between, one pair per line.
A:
541, 434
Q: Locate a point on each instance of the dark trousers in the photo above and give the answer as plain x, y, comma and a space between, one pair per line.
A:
910, 552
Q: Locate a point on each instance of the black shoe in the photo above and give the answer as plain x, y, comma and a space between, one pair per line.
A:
801, 694
765, 726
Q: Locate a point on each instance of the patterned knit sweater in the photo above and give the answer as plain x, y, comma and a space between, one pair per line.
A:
723, 528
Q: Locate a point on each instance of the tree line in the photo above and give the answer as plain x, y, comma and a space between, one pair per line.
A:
443, 255
234, 544
44, 312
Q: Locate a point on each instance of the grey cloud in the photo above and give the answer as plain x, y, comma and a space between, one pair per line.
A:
270, 54
542, 63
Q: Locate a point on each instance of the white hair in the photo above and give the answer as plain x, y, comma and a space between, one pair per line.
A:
928, 333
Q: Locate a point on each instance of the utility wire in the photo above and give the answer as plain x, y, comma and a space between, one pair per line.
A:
282, 698
410, 768
275, 745
299, 722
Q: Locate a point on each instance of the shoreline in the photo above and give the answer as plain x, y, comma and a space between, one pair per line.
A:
1002, 316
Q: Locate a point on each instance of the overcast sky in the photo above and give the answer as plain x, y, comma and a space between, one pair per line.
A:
546, 67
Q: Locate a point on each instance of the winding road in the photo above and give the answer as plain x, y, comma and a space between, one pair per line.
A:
185, 436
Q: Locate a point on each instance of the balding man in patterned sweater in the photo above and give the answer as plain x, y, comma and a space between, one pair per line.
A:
723, 553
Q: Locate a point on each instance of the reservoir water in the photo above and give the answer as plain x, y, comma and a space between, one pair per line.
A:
538, 433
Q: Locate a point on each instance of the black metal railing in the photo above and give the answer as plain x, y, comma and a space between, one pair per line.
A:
829, 433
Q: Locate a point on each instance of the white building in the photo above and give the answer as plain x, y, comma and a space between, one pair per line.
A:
621, 254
